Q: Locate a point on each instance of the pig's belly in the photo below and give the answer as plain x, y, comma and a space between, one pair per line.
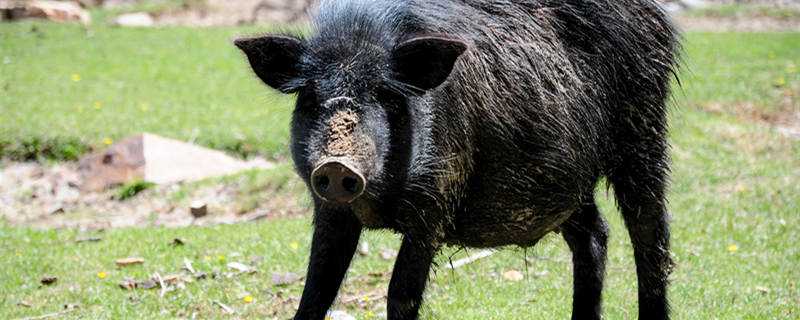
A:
521, 227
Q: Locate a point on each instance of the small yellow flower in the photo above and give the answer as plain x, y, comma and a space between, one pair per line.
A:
294, 245
365, 299
144, 107
75, 77
780, 82
107, 141
102, 275
206, 258
369, 315
98, 105
732, 248
791, 68
248, 299
221, 258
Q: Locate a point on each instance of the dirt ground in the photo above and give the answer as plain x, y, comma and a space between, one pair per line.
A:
237, 12
735, 24
45, 195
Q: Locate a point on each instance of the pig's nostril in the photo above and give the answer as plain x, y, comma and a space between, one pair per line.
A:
322, 183
350, 184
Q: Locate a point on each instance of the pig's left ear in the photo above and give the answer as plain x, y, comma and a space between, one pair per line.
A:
275, 59
426, 62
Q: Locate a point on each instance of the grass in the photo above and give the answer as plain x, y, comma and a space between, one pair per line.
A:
65, 83
735, 193
131, 189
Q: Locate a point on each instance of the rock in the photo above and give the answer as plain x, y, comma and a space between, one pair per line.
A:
56, 209
676, 6
339, 315
693, 4
363, 249
284, 279
111, 4
198, 209
513, 275
48, 280
388, 254
136, 19
159, 160
58, 11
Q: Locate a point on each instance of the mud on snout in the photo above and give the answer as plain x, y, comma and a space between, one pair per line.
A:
342, 174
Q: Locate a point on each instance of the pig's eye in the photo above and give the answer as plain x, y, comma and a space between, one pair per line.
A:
307, 100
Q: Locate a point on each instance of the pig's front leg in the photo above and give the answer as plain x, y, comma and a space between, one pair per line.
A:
409, 278
335, 240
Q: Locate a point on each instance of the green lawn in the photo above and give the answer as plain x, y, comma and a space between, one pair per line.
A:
735, 196
64, 84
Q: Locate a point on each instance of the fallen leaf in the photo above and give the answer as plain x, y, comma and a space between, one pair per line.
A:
388, 254
284, 279
48, 280
24, 304
513, 275
147, 284
187, 265
88, 239
763, 290
172, 278
128, 262
241, 267
128, 284
224, 307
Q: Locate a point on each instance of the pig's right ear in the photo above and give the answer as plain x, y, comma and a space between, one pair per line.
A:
275, 59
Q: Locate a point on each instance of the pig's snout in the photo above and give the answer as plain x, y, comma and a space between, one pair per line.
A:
336, 181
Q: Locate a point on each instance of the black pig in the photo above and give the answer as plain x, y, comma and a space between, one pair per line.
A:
479, 123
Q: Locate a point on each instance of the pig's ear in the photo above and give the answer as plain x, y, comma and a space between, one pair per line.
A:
426, 62
275, 59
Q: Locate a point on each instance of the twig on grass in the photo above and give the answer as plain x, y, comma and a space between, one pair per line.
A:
224, 307
472, 258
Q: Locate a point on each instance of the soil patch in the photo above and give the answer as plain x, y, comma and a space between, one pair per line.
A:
737, 24
238, 12
47, 196
786, 119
